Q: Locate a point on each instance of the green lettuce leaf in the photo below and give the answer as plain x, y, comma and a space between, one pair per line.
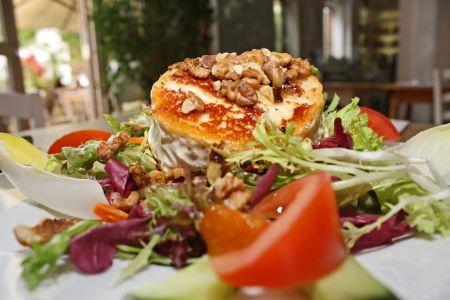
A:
39, 263
81, 159
390, 192
364, 138
113, 122
131, 155
429, 217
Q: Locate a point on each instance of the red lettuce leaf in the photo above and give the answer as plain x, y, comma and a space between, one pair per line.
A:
340, 139
264, 184
119, 176
391, 229
93, 251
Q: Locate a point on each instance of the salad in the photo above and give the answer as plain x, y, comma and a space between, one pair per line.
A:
284, 211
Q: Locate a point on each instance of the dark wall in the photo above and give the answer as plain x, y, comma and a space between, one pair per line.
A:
245, 25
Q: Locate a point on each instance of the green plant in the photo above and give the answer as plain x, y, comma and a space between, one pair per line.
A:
140, 38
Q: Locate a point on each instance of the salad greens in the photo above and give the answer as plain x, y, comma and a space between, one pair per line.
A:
39, 263
364, 138
382, 193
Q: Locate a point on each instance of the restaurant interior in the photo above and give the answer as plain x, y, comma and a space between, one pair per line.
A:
65, 63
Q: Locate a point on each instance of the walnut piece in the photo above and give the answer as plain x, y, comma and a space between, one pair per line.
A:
216, 85
208, 61
302, 66
161, 177
138, 175
267, 92
239, 91
42, 232
245, 94
256, 74
275, 73
231, 191
193, 102
105, 150
126, 204
194, 67
283, 59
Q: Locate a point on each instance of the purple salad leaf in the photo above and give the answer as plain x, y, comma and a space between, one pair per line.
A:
391, 229
93, 251
264, 184
340, 139
119, 176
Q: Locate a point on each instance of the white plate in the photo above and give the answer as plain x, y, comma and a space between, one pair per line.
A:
412, 268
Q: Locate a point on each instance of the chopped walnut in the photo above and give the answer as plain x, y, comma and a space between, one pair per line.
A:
194, 67
224, 70
156, 176
256, 74
126, 204
231, 191
208, 61
302, 66
193, 102
42, 232
245, 94
291, 75
138, 175
267, 92
253, 82
216, 85
255, 55
239, 91
283, 59
275, 73
106, 150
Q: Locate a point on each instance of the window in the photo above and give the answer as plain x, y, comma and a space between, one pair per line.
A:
4, 74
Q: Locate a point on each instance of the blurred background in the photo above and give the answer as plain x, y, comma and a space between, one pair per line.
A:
78, 59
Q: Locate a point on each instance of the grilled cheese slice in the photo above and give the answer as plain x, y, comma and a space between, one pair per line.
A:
222, 121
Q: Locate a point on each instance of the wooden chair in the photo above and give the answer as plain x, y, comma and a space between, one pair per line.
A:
441, 96
22, 106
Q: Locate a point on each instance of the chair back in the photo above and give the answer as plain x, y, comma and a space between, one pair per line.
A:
22, 106
441, 96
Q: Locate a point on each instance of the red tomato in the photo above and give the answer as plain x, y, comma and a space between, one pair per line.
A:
381, 125
77, 138
303, 244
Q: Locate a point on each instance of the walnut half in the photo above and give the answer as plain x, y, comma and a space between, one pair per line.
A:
232, 192
192, 103
42, 232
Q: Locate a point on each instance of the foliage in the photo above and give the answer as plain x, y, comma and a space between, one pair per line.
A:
140, 38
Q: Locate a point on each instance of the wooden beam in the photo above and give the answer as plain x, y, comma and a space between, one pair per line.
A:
11, 45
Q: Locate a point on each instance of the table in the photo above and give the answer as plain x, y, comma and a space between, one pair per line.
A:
407, 92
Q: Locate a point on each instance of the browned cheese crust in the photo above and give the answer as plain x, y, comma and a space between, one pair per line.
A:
219, 99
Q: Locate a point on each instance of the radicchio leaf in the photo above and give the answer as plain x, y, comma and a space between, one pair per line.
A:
93, 251
264, 184
340, 139
392, 228
119, 176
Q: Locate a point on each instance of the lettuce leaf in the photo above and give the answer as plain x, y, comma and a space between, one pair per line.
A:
131, 155
78, 160
390, 192
364, 138
39, 263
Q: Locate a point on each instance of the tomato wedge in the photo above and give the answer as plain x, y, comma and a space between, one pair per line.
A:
303, 244
77, 138
381, 125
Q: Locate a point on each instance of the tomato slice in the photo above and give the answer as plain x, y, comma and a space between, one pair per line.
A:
381, 125
303, 244
77, 138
